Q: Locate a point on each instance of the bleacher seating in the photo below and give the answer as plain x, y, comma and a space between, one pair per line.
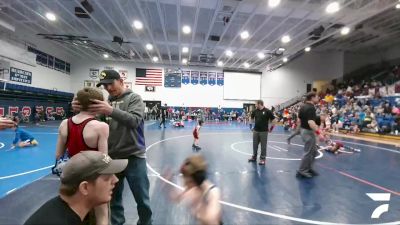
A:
11, 89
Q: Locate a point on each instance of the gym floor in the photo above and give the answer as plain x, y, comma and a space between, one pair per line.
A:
251, 194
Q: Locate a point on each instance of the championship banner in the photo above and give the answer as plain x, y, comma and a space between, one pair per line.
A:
123, 74
212, 76
172, 78
185, 77
94, 74
203, 78
220, 79
194, 77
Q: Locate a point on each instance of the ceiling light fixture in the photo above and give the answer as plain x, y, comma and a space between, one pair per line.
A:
186, 29
137, 24
273, 3
285, 59
286, 39
50, 16
261, 55
149, 47
184, 61
229, 53
398, 6
155, 59
244, 34
332, 7
105, 55
246, 65
307, 49
220, 63
345, 30
185, 50
281, 49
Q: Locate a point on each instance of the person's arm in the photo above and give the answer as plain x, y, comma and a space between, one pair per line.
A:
17, 138
61, 140
6, 123
212, 213
134, 116
103, 131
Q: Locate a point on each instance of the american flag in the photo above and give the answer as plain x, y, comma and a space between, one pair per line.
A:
152, 77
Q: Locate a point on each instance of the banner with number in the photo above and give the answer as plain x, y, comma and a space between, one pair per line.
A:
220, 79
194, 77
212, 76
203, 78
21, 76
185, 77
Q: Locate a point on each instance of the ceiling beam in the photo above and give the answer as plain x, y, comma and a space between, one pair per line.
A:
161, 15
147, 28
358, 20
196, 18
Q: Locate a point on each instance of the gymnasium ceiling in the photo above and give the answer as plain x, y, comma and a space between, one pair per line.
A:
372, 23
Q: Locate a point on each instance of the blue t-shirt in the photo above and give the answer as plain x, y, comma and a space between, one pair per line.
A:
22, 135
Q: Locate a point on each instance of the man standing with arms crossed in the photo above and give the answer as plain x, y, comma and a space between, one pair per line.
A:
126, 141
309, 130
262, 116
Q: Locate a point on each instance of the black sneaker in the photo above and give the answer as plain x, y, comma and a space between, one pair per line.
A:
261, 162
253, 159
314, 173
304, 175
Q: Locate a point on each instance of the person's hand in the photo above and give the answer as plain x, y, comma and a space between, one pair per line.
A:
76, 106
100, 107
6, 123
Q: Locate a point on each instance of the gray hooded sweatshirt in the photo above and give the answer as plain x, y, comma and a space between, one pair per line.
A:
126, 126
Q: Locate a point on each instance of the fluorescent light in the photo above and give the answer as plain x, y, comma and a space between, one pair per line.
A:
398, 6
307, 49
244, 34
229, 53
246, 65
149, 47
345, 30
155, 59
281, 49
286, 39
261, 55
332, 7
273, 3
285, 59
184, 61
220, 63
50, 16
186, 29
185, 50
105, 55
137, 24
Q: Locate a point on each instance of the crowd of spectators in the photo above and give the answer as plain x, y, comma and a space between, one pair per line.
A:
366, 106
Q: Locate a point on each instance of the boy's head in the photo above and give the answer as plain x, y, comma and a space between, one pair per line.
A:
87, 94
194, 171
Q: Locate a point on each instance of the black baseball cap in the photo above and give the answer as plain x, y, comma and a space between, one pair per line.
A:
108, 77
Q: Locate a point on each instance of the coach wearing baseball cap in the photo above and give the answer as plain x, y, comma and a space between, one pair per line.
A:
87, 181
124, 112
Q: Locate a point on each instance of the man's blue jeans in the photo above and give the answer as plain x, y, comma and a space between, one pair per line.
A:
136, 175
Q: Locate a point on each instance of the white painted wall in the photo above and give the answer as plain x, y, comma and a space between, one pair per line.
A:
291, 79
188, 95
42, 77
